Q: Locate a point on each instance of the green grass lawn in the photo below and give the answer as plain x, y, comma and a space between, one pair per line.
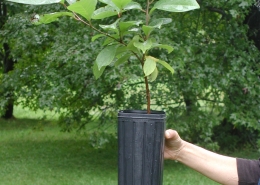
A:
35, 152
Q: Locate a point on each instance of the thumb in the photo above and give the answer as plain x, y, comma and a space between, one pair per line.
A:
173, 144
171, 135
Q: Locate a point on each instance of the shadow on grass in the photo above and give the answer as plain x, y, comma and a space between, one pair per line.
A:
24, 123
30, 143
60, 155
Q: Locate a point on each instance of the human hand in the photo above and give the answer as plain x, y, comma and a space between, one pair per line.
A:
173, 144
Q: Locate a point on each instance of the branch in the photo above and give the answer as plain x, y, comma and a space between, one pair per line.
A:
94, 28
217, 10
205, 99
213, 9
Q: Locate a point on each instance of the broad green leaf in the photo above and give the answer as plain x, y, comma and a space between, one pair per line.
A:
112, 27
131, 46
121, 3
147, 30
155, 24
104, 12
110, 41
106, 56
166, 65
144, 46
124, 26
35, 2
122, 59
110, 3
97, 37
121, 49
153, 75
149, 66
134, 30
48, 18
96, 71
159, 22
164, 46
132, 5
71, 1
176, 5
84, 8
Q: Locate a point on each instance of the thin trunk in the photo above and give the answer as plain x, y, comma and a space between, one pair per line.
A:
148, 96
190, 103
8, 64
253, 22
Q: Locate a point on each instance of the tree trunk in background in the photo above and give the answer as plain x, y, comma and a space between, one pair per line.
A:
8, 63
8, 66
253, 21
190, 102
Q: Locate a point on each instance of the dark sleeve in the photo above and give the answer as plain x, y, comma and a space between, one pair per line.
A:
248, 171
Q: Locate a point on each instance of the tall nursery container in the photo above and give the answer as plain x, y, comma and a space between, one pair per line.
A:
141, 146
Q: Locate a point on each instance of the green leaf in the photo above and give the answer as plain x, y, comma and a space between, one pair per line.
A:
149, 65
164, 46
133, 30
166, 65
131, 46
157, 23
104, 12
176, 5
121, 3
69, 1
124, 26
110, 3
48, 18
121, 49
133, 5
84, 8
97, 37
112, 27
145, 46
96, 71
122, 59
147, 30
35, 2
106, 56
152, 77
110, 41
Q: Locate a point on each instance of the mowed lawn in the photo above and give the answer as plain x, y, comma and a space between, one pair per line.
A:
35, 152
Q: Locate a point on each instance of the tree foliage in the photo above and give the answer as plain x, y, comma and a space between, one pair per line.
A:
216, 69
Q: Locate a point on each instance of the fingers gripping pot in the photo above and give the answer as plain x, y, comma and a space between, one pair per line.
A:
141, 146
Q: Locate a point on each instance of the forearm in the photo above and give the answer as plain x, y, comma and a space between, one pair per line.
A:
219, 168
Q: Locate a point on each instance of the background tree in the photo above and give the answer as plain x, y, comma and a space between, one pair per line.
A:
216, 64
7, 64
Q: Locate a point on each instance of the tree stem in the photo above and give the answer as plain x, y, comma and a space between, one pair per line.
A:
148, 96
147, 12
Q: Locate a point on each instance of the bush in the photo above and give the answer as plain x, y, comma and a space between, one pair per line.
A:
232, 137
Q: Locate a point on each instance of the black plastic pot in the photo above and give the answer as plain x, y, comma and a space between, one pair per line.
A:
141, 145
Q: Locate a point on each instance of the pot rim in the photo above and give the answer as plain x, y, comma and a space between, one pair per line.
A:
141, 114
